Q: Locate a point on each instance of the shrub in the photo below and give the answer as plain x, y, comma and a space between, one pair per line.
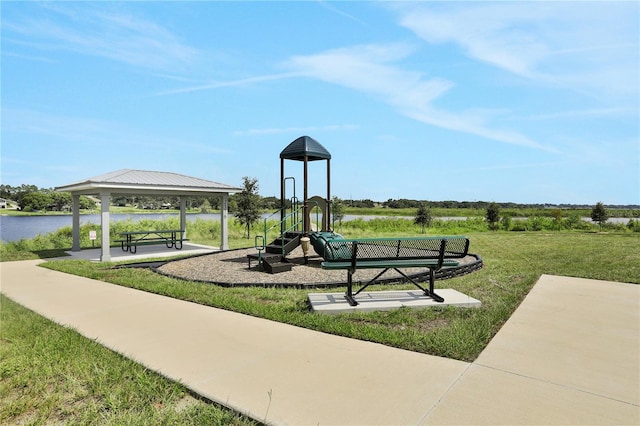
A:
423, 217
505, 222
493, 215
599, 214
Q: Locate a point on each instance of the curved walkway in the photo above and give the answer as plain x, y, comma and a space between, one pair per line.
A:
568, 355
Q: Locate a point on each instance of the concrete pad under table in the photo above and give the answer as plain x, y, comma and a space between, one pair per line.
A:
335, 303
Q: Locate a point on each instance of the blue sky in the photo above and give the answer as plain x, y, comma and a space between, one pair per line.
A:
530, 102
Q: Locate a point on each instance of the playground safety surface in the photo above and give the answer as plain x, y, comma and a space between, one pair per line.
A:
231, 268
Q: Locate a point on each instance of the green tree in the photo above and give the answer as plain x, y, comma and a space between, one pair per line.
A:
423, 216
493, 215
247, 210
599, 214
505, 221
337, 210
20, 192
205, 206
87, 203
557, 219
35, 201
60, 200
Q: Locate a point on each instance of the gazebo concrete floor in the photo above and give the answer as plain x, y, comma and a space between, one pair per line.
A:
143, 252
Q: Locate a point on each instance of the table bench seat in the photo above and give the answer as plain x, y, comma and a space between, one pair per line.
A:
133, 239
433, 253
379, 264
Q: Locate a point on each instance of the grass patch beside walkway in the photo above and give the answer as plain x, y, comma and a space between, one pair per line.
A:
513, 263
50, 374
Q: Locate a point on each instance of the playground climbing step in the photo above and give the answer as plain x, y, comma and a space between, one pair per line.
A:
275, 265
284, 245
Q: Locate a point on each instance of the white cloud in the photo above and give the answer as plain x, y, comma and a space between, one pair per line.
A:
78, 133
588, 46
230, 83
103, 32
297, 130
580, 114
329, 6
372, 69
552, 164
474, 125
74, 129
366, 68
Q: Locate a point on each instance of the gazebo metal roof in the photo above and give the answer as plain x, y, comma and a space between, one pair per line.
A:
302, 146
127, 181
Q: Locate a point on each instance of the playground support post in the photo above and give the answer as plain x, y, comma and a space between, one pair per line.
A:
327, 220
282, 201
306, 197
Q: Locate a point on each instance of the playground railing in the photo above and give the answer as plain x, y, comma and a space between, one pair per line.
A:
291, 222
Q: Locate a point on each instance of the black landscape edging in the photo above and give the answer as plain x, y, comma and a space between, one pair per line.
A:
443, 274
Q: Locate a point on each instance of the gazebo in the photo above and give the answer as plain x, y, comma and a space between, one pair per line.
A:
142, 182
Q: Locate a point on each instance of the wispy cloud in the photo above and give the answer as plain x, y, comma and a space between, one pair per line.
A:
56, 126
296, 130
588, 46
581, 114
515, 166
369, 69
334, 9
230, 83
33, 58
77, 132
374, 69
471, 125
101, 31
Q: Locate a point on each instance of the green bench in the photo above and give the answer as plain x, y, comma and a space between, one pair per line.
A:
433, 253
170, 237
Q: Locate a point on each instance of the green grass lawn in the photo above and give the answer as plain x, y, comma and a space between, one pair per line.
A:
50, 374
513, 263
40, 358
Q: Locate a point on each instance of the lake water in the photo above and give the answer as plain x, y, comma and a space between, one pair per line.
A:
15, 228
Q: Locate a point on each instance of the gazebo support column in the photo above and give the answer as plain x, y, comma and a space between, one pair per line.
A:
75, 224
105, 252
224, 226
183, 216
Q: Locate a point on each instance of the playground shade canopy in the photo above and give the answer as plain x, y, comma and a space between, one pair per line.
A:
305, 146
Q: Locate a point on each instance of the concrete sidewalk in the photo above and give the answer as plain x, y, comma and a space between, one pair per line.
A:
569, 355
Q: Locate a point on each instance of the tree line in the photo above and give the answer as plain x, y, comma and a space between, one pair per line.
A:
404, 203
31, 198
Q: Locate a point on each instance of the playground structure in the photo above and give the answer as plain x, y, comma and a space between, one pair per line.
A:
295, 228
295, 223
